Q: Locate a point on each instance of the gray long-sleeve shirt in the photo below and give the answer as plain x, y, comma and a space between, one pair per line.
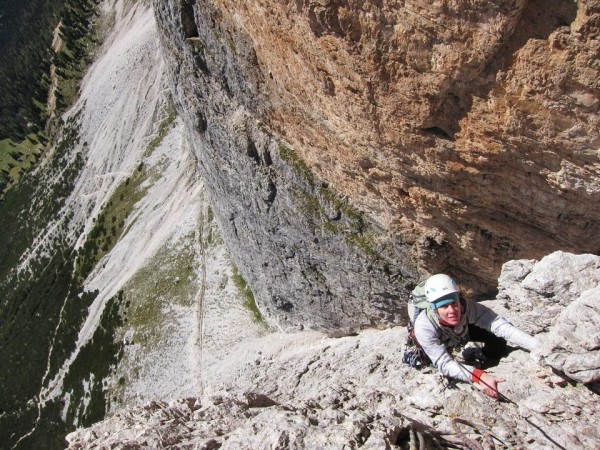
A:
435, 345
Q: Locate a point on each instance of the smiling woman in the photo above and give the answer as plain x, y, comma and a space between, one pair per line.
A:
452, 321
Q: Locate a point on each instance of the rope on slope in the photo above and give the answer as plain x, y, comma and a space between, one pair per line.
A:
464, 427
425, 439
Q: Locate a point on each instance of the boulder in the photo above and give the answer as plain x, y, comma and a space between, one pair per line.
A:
572, 345
558, 297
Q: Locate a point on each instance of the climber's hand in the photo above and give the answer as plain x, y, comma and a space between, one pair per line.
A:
489, 383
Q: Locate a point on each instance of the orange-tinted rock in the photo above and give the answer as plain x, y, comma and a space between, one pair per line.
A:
466, 131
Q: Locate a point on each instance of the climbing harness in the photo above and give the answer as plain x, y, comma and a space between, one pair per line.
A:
413, 354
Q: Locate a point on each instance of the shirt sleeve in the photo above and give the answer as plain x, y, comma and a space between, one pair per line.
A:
429, 340
484, 317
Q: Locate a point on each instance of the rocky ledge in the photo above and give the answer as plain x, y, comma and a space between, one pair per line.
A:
306, 390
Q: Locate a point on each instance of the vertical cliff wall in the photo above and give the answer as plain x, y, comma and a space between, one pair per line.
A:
350, 146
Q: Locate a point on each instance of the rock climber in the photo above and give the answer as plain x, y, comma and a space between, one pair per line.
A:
450, 321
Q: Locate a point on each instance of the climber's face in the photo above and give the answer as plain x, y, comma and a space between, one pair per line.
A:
450, 313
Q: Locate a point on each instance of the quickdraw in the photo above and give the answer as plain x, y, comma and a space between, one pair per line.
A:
413, 354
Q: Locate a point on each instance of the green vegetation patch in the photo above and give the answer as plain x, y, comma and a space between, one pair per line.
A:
109, 226
163, 129
297, 165
15, 158
80, 39
135, 306
25, 58
167, 279
42, 307
85, 381
249, 301
365, 243
26, 210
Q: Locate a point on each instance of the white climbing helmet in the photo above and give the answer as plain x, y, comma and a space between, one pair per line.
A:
440, 290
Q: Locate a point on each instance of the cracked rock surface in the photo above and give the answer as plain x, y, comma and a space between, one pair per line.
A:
307, 390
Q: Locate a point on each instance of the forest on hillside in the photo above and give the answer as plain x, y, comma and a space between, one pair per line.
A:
26, 54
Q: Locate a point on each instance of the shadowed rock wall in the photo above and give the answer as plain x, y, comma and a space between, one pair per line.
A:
351, 146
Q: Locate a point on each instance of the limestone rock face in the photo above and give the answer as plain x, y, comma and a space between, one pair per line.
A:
559, 295
350, 147
353, 392
306, 390
573, 346
242, 421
